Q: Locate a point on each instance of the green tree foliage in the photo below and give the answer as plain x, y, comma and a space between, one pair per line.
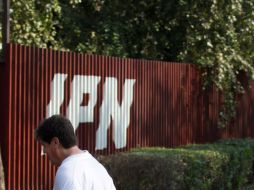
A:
219, 39
216, 35
138, 29
33, 22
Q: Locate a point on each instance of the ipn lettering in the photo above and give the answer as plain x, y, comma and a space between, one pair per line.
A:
110, 108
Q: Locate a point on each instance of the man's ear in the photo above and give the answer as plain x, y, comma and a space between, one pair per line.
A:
55, 142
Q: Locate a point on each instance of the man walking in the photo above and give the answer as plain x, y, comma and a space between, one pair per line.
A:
78, 169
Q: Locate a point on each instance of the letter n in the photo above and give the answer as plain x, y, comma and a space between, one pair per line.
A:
120, 113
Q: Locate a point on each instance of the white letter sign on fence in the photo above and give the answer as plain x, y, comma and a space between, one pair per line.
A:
57, 94
120, 114
110, 109
82, 85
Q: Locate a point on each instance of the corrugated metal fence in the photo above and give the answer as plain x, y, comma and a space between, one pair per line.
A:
114, 104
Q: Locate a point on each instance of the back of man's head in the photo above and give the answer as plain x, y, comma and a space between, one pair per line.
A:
57, 126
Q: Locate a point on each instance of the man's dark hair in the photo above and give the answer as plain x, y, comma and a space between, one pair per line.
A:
57, 126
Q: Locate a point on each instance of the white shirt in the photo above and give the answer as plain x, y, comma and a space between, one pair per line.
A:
82, 172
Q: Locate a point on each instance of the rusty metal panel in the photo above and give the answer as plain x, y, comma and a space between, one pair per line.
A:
114, 104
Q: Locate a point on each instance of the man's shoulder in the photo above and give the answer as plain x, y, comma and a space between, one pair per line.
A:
72, 165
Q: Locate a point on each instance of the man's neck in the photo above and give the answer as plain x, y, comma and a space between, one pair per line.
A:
71, 151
